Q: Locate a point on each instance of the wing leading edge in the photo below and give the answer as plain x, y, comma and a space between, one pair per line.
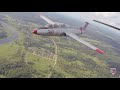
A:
84, 42
47, 20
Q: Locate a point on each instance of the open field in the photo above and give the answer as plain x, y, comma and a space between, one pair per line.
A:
74, 59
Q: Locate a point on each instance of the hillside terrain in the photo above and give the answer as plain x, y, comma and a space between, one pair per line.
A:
31, 56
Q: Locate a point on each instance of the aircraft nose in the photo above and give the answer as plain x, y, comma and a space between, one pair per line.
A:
35, 31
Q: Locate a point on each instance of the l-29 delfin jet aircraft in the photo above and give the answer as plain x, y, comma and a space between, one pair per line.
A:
61, 29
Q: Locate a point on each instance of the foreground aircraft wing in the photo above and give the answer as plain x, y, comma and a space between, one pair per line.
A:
46, 19
74, 36
107, 25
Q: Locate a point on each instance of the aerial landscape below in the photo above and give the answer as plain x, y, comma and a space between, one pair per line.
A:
24, 54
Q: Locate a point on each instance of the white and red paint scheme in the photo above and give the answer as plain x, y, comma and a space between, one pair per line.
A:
61, 29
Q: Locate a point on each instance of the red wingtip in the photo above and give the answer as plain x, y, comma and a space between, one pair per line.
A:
99, 51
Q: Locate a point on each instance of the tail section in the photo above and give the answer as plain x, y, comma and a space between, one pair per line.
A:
82, 29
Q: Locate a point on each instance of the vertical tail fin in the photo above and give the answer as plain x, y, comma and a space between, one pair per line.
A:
82, 29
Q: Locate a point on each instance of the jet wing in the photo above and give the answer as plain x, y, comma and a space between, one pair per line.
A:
47, 20
74, 36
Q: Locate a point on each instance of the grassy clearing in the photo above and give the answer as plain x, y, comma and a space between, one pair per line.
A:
40, 64
8, 51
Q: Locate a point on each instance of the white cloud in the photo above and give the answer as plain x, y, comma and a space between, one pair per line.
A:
105, 14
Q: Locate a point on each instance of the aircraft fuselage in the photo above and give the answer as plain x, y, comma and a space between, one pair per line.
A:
57, 31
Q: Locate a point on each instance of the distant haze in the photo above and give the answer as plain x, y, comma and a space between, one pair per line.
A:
112, 18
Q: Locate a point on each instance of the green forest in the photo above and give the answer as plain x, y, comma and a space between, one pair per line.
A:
74, 60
